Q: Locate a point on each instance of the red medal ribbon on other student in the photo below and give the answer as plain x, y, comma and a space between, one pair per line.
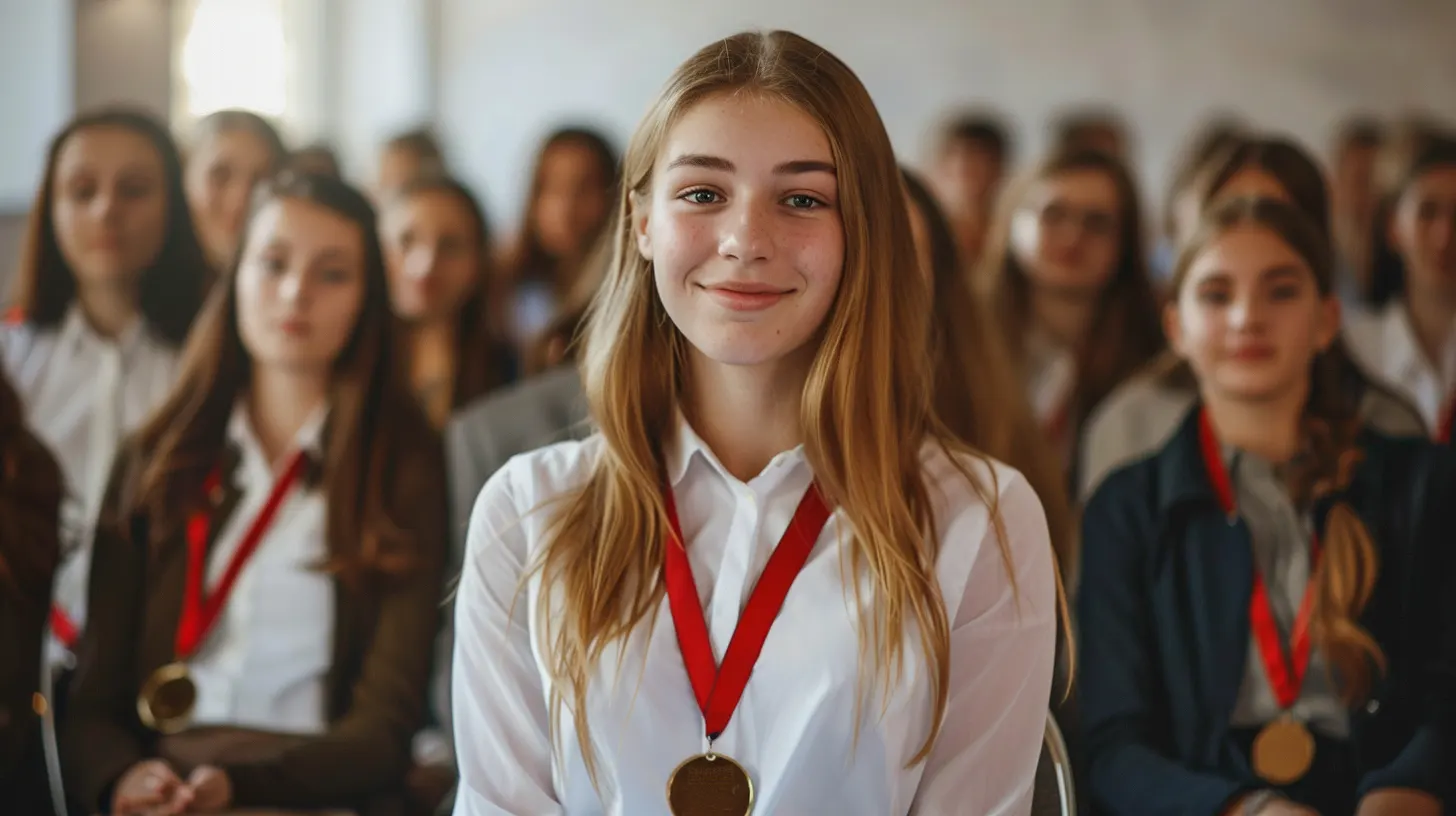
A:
1286, 676
199, 610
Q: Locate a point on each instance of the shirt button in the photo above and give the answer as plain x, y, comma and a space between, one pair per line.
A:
1372, 707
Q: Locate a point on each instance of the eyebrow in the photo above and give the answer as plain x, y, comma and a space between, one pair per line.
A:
788, 168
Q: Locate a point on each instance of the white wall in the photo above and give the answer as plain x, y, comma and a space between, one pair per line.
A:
511, 69
35, 91
385, 77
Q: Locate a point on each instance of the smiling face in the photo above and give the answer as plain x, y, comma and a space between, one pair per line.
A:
743, 230
1249, 317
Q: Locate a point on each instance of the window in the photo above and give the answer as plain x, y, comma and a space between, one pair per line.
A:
262, 55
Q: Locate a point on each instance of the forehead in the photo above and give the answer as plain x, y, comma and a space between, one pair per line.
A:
430, 207
754, 131
306, 225
1246, 252
237, 141
1085, 186
1439, 180
107, 147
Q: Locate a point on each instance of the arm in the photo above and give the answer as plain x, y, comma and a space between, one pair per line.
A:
501, 719
1424, 766
1127, 773
367, 751
101, 736
1002, 648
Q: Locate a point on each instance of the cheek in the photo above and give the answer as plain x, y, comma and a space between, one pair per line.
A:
340, 312
680, 243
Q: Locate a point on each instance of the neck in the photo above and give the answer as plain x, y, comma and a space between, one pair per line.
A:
432, 348
109, 309
1433, 318
745, 414
1267, 428
280, 402
1065, 315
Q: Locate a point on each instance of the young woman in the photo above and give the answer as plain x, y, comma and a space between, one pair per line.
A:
759, 345
1410, 342
440, 280
1067, 273
407, 158
268, 570
970, 165
977, 394
1266, 614
110, 282
231, 152
1140, 415
30, 506
567, 208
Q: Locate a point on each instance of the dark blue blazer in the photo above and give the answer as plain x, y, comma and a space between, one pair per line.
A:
1163, 610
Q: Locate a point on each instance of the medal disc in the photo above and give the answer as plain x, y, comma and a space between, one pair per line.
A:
710, 785
167, 698
1283, 751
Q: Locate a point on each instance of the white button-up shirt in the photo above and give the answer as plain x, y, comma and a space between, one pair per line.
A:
1384, 344
794, 729
265, 664
83, 393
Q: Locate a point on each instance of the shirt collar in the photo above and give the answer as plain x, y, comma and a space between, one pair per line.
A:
684, 445
1403, 356
77, 332
240, 433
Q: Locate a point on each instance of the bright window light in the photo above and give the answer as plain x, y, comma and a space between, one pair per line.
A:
235, 55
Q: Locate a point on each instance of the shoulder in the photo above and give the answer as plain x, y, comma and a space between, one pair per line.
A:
530, 482
531, 406
975, 499
19, 340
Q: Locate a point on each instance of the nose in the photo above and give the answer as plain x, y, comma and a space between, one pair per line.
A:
419, 262
293, 288
747, 236
1245, 313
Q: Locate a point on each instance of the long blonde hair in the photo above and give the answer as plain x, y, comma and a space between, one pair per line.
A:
1345, 578
866, 403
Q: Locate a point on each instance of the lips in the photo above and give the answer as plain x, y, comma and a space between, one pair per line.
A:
746, 296
295, 327
1252, 354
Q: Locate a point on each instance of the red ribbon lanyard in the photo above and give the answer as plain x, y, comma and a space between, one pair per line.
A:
199, 611
1286, 674
1446, 422
719, 688
64, 628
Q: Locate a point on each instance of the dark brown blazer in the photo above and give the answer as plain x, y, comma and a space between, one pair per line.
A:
383, 639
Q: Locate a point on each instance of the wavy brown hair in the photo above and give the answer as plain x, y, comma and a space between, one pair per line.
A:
1127, 329
1328, 454
30, 504
374, 461
866, 406
170, 289
483, 359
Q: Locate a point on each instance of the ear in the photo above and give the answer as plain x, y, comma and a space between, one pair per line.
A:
1330, 319
1173, 327
641, 215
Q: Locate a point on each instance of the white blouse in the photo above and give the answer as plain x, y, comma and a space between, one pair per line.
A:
794, 729
83, 393
265, 664
1384, 344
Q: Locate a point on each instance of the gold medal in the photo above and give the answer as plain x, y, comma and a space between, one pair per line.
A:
1283, 751
710, 785
167, 699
